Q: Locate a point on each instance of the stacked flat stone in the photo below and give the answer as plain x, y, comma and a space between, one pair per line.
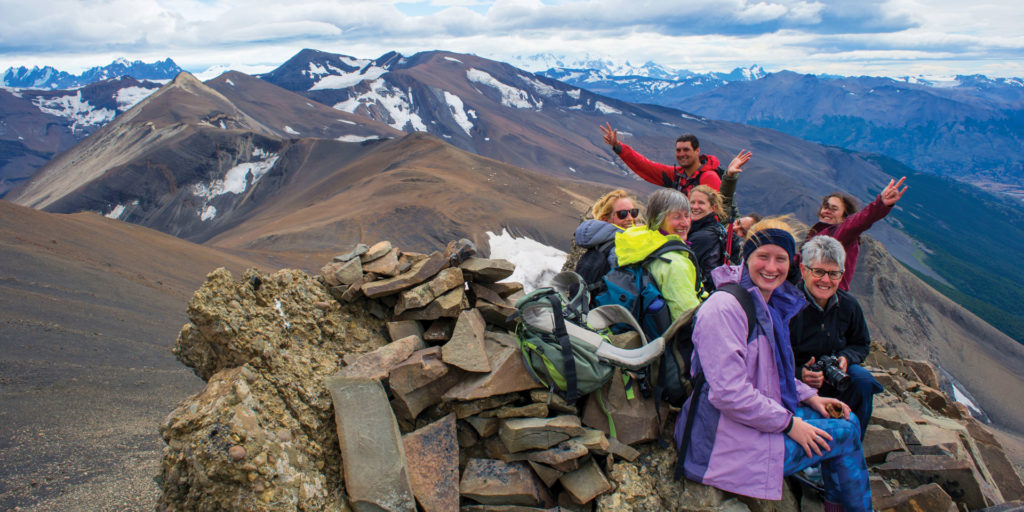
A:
433, 408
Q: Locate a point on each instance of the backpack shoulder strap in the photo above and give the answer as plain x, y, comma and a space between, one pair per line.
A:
680, 246
745, 300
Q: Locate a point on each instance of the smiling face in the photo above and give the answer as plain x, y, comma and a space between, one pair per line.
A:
700, 205
742, 225
832, 211
768, 266
622, 204
677, 222
686, 154
821, 288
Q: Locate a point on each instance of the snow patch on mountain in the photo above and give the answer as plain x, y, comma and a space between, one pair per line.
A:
459, 113
116, 212
131, 96
290, 131
535, 262
606, 109
343, 79
396, 102
511, 97
235, 181
452, 59
356, 138
74, 108
540, 87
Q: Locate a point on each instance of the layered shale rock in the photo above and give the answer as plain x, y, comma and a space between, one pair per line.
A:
400, 387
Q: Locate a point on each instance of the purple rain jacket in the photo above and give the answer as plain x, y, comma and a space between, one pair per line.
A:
737, 443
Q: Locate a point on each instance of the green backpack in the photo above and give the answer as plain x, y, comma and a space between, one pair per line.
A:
566, 347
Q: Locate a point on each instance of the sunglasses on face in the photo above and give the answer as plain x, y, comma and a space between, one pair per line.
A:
834, 275
622, 214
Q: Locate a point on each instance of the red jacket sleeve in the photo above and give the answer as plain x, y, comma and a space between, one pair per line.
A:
852, 227
646, 169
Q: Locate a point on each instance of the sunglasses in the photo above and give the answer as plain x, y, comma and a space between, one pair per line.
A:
622, 214
834, 275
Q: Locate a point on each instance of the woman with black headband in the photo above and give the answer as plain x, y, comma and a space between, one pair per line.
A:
753, 421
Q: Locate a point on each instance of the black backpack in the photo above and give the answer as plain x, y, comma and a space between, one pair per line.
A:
593, 265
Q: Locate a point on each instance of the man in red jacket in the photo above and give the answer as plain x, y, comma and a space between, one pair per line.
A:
693, 168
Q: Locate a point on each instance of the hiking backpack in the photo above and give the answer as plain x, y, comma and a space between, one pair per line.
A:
593, 265
633, 287
566, 348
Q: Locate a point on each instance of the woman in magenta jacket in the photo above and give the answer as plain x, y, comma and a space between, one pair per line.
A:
838, 218
754, 422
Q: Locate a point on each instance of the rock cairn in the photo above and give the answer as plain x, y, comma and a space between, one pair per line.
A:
392, 381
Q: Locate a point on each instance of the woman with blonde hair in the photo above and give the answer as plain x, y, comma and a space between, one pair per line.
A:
615, 211
707, 236
749, 421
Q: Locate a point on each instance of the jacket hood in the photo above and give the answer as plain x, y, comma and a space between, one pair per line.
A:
709, 162
592, 233
637, 242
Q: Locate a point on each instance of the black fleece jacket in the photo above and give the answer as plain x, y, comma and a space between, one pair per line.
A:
838, 330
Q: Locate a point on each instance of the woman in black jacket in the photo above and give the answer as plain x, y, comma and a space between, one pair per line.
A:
707, 235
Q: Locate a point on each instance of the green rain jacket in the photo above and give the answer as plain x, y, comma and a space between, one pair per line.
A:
676, 278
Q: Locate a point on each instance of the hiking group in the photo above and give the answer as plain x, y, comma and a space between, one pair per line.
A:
761, 328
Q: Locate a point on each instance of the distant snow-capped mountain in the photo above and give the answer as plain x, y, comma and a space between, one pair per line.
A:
49, 78
647, 83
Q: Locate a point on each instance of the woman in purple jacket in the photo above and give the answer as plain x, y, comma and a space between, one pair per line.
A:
754, 422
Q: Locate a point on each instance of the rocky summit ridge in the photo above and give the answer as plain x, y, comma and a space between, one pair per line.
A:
391, 381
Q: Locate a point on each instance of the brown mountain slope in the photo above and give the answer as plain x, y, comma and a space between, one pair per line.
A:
90, 308
418, 192
921, 323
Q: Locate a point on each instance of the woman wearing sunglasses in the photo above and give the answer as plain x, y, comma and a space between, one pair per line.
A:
615, 211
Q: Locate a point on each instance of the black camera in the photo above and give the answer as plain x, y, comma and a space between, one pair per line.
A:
834, 375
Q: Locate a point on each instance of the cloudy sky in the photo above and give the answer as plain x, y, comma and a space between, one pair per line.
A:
872, 37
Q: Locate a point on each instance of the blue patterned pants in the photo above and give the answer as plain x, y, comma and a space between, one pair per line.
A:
842, 467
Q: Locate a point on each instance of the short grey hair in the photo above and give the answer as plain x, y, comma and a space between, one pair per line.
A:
823, 249
662, 202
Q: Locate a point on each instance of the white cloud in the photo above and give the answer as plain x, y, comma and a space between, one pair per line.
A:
700, 35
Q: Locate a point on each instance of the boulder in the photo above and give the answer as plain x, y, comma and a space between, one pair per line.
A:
448, 305
485, 427
346, 273
547, 474
404, 328
376, 477
378, 363
955, 476
585, 483
356, 251
520, 434
1003, 473
928, 497
420, 381
505, 289
420, 272
354, 290
508, 375
483, 270
924, 371
459, 250
466, 347
465, 409
432, 456
555, 456
376, 251
386, 265
879, 442
440, 330
533, 410
423, 294
496, 482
